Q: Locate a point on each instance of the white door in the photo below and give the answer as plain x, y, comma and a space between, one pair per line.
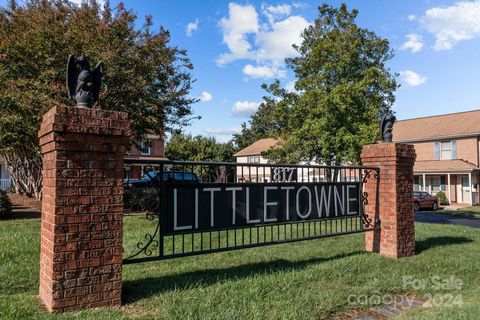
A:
465, 190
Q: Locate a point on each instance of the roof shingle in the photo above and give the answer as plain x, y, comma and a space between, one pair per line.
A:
460, 124
257, 147
443, 166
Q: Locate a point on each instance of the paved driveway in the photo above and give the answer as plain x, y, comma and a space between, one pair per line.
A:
431, 217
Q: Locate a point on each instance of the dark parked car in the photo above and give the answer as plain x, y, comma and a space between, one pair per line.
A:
142, 195
424, 200
168, 176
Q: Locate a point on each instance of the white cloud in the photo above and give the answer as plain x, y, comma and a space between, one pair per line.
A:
264, 72
276, 44
452, 24
414, 43
191, 27
275, 12
241, 21
265, 43
412, 17
245, 108
411, 78
206, 96
222, 131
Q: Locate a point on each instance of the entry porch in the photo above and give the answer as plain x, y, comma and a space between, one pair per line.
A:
457, 179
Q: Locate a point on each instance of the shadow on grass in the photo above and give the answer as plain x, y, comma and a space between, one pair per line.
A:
22, 212
430, 243
460, 213
144, 288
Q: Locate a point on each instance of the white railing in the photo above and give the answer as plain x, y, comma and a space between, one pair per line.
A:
5, 184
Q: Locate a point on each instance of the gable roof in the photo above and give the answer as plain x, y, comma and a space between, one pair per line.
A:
461, 124
257, 147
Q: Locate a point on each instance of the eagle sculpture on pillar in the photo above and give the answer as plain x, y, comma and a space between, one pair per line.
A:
386, 126
83, 84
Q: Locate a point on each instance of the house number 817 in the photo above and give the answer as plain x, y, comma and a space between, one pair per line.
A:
283, 174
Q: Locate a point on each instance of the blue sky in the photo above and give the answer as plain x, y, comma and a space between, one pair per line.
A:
237, 46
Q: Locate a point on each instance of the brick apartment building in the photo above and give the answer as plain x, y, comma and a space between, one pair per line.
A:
447, 148
152, 147
448, 154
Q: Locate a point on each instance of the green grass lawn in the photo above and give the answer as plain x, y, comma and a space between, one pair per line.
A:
305, 280
473, 211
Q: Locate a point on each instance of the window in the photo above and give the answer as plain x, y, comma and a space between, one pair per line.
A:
435, 182
254, 159
445, 150
443, 183
146, 147
416, 184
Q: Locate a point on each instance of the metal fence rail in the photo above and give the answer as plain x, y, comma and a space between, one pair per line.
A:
164, 239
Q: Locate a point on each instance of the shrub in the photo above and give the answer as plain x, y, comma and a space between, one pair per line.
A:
141, 199
5, 205
442, 198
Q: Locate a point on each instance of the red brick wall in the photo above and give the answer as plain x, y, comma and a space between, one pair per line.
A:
82, 207
395, 199
158, 148
467, 149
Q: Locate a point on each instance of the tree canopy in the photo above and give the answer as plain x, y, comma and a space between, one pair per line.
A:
342, 89
144, 75
198, 148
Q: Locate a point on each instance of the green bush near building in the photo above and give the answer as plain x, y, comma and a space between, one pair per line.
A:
5, 205
442, 198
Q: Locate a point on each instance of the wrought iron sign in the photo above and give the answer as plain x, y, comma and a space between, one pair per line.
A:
199, 207
220, 206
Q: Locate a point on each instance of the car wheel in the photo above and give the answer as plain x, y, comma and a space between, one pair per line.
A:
435, 206
416, 206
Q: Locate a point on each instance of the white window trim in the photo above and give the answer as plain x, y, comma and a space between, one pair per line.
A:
142, 147
441, 149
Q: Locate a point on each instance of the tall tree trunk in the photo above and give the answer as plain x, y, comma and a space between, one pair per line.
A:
25, 171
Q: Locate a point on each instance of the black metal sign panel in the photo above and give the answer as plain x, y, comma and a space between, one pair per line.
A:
222, 206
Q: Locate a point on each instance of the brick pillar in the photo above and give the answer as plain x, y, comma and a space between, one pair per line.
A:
395, 199
82, 207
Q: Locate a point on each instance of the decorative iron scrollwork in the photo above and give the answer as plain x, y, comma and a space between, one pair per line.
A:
367, 221
151, 240
151, 204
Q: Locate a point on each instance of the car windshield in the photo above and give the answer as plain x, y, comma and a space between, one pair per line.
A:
150, 175
180, 176
177, 176
416, 194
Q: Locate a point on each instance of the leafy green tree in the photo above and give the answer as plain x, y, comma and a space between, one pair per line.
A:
342, 89
198, 148
144, 75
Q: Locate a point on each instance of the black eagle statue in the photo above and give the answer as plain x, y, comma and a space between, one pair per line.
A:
386, 126
83, 84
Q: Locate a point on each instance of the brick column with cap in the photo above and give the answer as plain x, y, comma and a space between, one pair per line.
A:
395, 199
82, 207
